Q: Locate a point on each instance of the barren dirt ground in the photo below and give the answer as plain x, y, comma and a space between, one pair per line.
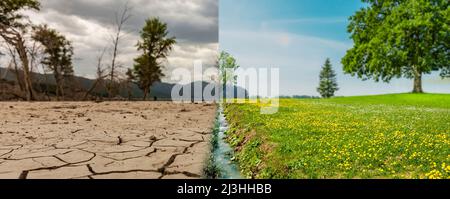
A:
119, 140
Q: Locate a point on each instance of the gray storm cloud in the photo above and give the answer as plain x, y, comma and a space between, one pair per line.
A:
190, 20
89, 24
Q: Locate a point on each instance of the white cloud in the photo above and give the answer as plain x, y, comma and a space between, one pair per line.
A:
300, 62
299, 57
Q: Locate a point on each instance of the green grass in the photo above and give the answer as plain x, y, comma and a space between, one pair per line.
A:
386, 136
416, 100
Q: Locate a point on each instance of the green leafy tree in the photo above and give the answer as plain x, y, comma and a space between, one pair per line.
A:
227, 66
12, 30
155, 45
399, 38
58, 52
328, 83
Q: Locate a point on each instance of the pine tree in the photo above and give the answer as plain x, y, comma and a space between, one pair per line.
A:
328, 83
156, 46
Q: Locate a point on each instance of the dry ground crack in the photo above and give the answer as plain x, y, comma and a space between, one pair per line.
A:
86, 140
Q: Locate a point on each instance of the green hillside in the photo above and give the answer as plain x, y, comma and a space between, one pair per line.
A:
417, 100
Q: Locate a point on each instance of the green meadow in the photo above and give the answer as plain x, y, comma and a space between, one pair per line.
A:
385, 136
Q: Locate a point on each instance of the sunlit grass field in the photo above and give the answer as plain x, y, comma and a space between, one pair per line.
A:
386, 136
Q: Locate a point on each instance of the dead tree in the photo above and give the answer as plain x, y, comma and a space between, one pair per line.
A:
119, 23
100, 79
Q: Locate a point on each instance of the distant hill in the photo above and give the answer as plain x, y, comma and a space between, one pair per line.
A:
160, 90
238, 92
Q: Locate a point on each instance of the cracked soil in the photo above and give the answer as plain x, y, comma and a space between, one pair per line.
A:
110, 140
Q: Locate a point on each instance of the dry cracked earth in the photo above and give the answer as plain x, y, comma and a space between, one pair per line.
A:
110, 140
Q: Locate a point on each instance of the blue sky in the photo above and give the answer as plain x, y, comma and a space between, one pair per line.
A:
297, 36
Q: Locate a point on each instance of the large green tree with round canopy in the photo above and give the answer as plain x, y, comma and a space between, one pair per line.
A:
399, 38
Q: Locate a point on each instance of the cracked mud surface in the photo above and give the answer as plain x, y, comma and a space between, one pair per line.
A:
110, 140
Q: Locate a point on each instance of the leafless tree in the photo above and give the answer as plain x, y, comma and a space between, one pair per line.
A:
120, 20
101, 75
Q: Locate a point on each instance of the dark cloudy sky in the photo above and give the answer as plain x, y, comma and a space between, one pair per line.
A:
89, 24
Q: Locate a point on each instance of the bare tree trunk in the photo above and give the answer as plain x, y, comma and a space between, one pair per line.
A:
130, 94
120, 22
146, 91
100, 74
46, 84
16, 68
59, 86
55, 75
16, 40
90, 90
21, 50
18, 77
418, 83
113, 68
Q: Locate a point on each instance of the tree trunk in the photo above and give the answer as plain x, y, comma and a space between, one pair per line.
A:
60, 89
59, 86
418, 83
57, 90
90, 90
16, 70
20, 47
120, 22
129, 92
19, 79
146, 91
113, 68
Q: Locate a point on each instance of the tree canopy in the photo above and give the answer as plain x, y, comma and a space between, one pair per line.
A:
12, 28
57, 49
9, 15
58, 52
155, 45
227, 65
399, 38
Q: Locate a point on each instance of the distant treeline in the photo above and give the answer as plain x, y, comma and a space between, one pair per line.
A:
290, 97
298, 97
